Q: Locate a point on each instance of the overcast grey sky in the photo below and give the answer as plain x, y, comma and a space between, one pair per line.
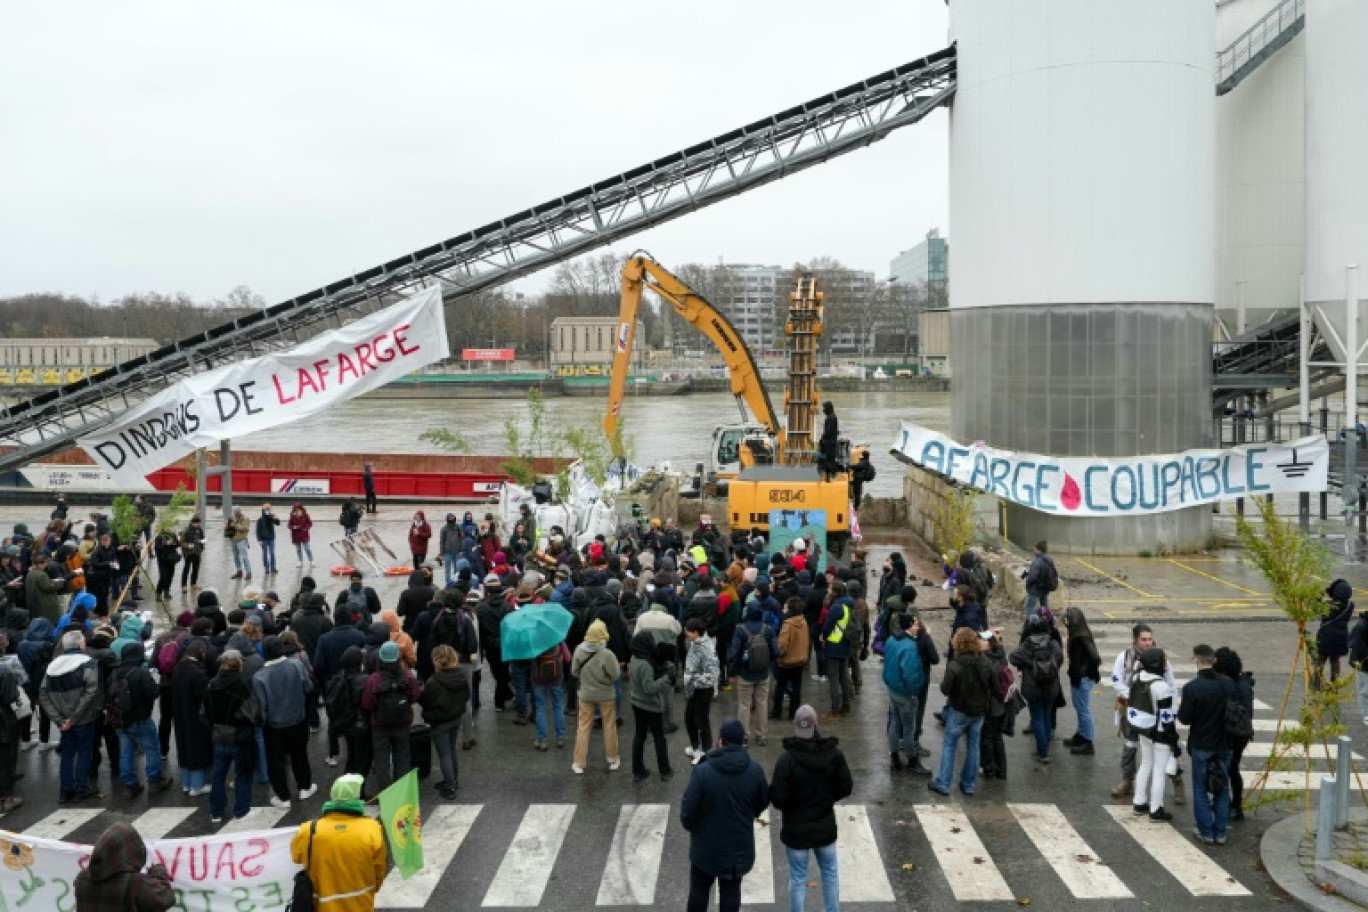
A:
177, 146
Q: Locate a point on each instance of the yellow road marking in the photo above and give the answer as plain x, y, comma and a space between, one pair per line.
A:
1120, 582
1178, 601
1215, 579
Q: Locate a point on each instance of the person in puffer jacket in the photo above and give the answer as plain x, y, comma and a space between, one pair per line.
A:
701, 674
70, 695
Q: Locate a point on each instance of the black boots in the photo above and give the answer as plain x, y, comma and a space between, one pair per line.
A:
1082, 748
895, 762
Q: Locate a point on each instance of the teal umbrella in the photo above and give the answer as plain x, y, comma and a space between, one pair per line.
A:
532, 630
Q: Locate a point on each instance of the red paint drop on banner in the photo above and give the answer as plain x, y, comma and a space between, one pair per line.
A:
1071, 496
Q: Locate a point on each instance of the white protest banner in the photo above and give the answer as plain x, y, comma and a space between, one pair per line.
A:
1086, 486
223, 873
272, 390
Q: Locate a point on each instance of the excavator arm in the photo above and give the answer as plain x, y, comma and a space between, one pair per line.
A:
641, 273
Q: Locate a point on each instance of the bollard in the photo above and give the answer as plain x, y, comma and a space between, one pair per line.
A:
1342, 773
1325, 820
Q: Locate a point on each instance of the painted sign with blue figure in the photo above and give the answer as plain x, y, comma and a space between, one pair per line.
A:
1087, 486
790, 526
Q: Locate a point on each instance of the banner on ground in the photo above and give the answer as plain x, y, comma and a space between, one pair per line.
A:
264, 393
221, 873
1086, 486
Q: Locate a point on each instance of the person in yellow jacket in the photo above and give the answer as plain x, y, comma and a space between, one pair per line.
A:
349, 855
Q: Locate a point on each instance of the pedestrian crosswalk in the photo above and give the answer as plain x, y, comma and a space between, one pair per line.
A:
973, 856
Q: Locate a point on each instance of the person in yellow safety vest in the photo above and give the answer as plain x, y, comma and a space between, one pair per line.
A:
835, 635
699, 555
349, 860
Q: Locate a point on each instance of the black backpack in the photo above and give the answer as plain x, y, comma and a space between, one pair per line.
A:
392, 703
1050, 579
452, 628
757, 655
1044, 669
1239, 724
338, 700
118, 701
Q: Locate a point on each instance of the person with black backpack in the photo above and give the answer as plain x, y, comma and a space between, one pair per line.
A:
967, 686
1041, 578
1203, 709
233, 715
347, 687
1229, 665
389, 697
754, 649
131, 693
1039, 659
327, 664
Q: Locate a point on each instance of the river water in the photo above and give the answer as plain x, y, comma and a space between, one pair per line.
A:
674, 428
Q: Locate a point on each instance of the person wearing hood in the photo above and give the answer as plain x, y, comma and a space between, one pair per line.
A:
597, 670
444, 699
16, 625
42, 593
344, 851
139, 732
389, 696
207, 606
1038, 660
281, 688
70, 695
968, 612
233, 715
35, 652
194, 738
449, 546
408, 653
1150, 714
130, 631
810, 776
754, 649
419, 594
1332, 637
344, 709
904, 676
311, 622
726, 795
300, 524
650, 672
1084, 673
419, 534
192, 549
165, 662
362, 600
471, 553
77, 614
114, 877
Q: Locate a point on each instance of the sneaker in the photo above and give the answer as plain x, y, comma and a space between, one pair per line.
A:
449, 791
916, 769
698, 757
10, 803
1123, 789
1083, 749
520, 719
279, 802
760, 740
577, 769
1042, 759
298, 564
1220, 840
48, 745
1160, 814
931, 787
88, 795
1072, 741
201, 791
640, 777
331, 761
1197, 835
237, 575
309, 792
248, 577
539, 745
160, 785
614, 764
560, 742
690, 751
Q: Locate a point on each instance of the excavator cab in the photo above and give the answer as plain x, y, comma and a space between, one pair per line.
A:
733, 448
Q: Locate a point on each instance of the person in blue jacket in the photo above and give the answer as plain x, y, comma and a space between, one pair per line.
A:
726, 795
905, 678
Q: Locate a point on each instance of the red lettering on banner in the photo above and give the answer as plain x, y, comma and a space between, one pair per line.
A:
225, 857
344, 367
322, 368
305, 379
280, 393
363, 354
387, 350
202, 871
172, 865
249, 865
399, 340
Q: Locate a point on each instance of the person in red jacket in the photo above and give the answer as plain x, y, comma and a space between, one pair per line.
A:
299, 526
419, 535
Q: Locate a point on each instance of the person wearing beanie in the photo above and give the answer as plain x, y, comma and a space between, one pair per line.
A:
164, 660
810, 776
327, 662
598, 672
726, 795
344, 851
422, 589
282, 688
389, 696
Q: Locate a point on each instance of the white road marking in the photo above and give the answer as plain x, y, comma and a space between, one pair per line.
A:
757, 887
1319, 752
61, 824
258, 818
1083, 872
1293, 781
859, 865
970, 870
158, 822
526, 866
443, 833
629, 878
1178, 855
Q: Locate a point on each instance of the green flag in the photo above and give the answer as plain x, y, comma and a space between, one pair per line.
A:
403, 822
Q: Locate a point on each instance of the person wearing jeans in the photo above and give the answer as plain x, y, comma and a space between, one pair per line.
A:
967, 686
548, 696
809, 778
1203, 710
266, 534
903, 675
1038, 660
70, 694
232, 714
1084, 672
239, 528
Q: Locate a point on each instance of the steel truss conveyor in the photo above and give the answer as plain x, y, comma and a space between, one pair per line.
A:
597, 215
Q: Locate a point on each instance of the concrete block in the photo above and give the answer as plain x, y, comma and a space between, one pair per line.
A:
1349, 882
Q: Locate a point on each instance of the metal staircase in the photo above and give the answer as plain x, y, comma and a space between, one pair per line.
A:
708, 172
1263, 39
1264, 358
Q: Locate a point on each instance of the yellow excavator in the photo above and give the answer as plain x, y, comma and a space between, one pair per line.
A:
762, 465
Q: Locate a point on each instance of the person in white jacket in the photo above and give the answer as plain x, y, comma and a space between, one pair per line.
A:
1150, 714
1126, 664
